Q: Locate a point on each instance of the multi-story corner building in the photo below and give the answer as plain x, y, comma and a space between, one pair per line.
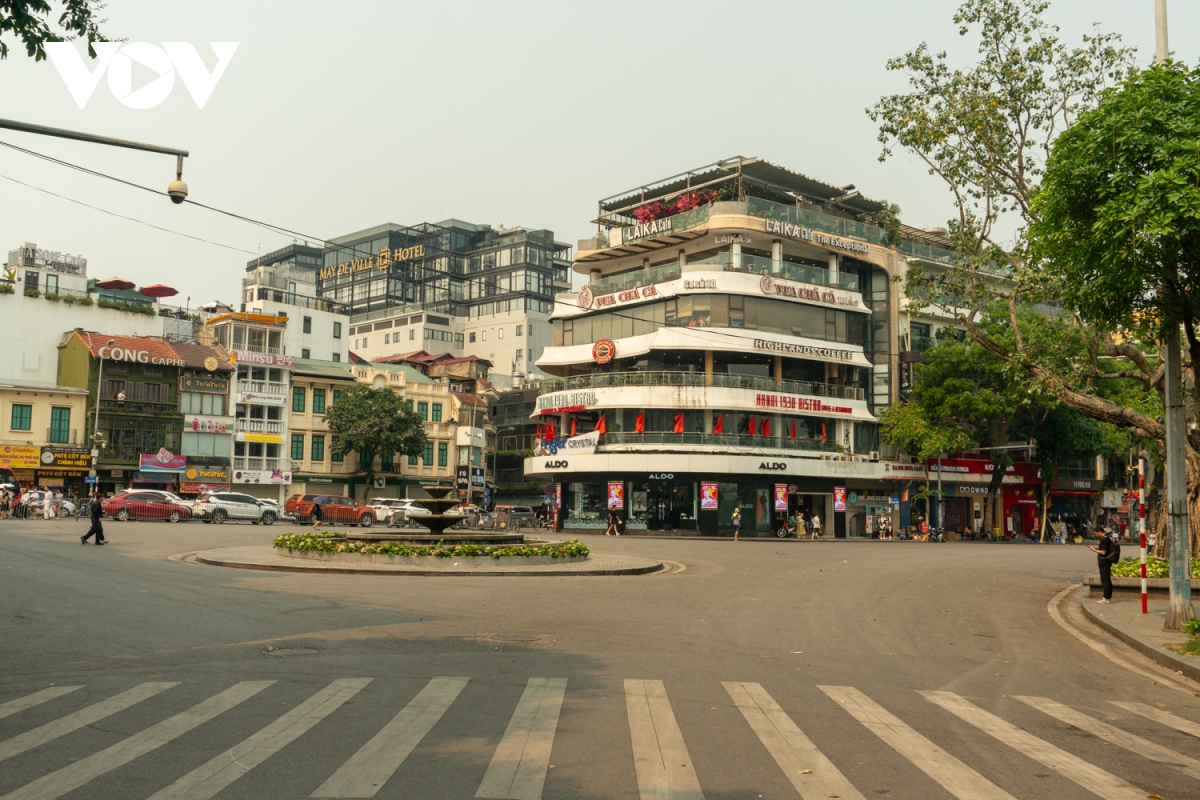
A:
316, 387
209, 424
451, 287
133, 418
42, 437
283, 283
733, 345
260, 394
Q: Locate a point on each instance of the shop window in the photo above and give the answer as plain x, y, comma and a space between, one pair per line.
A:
305, 353
22, 417
337, 330
423, 410
412, 461
472, 337
308, 324
427, 456
443, 454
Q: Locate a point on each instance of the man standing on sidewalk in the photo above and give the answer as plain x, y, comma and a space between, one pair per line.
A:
97, 529
1108, 552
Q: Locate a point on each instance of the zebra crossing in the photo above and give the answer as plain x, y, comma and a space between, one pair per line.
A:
520, 763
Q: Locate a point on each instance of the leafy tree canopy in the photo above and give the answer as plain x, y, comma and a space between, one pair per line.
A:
373, 422
29, 21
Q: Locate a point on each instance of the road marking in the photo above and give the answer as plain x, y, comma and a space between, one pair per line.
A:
813, 775
1160, 716
29, 701
80, 719
1090, 777
664, 768
1136, 744
954, 776
208, 779
370, 768
67, 779
518, 769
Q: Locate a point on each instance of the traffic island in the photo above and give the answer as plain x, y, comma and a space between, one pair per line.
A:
333, 553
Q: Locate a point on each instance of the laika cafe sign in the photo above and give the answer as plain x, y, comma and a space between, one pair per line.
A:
809, 235
137, 356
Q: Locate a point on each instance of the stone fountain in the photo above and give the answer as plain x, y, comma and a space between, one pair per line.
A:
437, 521
437, 504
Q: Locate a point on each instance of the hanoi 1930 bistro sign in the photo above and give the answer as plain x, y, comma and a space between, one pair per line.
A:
796, 403
565, 402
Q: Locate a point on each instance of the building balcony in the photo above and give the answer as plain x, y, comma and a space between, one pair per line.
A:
113, 406
258, 462
263, 387
259, 425
716, 441
603, 380
63, 436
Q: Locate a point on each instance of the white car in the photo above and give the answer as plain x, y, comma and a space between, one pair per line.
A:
385, 507
221, 506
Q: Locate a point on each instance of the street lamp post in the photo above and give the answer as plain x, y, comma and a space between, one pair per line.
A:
96, 418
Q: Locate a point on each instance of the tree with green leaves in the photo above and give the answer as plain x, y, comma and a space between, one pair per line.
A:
374, 422
30, 22
992, 132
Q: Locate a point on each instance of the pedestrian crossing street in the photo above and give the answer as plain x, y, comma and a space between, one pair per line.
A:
521, 761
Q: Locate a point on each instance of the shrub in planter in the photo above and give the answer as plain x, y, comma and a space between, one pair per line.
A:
67, 298
85, 300
6, 289
52, 296
32, 293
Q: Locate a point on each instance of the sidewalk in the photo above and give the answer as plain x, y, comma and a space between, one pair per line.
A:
1124, 619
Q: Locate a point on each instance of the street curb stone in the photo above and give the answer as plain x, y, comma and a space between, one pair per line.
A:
1164, 657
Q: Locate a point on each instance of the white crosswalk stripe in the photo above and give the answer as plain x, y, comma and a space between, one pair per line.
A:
660, 758
1089, 776
67, 779
80, 719
954, 776
29, 701
813, 775
1136, 744
205, 781
370, 768
518, 769
1160, 716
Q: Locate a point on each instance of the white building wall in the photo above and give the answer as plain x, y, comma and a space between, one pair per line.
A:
496, 340
321, 342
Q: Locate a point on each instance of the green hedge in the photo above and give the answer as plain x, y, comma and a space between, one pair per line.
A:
325, 543
1155, 567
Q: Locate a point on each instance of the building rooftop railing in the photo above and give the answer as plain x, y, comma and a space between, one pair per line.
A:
301, 301
715, 440
603, 380
757, 265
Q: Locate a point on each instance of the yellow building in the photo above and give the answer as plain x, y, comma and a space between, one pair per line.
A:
42, 435
315, 387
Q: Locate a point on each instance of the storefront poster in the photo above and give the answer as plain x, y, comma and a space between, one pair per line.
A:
708, 497
207, 474
616, 495
781, 497
66, 460
163, 461
187, 487
20, 456
276, 476
839, 498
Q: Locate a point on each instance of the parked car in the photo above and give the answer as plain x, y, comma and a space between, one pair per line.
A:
514, 516
386, 507
337, 509
146, 505
221, 506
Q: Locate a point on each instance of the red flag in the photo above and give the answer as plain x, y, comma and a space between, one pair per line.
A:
766, 426
752, 427
823, 439
679, 422
602, 424
792, 433
639, 422
572, 426
549, 431
719, 424
904, 496
539, 430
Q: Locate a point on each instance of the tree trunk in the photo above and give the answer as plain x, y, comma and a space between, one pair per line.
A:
1162, 534
995, 500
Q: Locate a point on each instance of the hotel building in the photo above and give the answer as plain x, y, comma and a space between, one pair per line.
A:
734, 344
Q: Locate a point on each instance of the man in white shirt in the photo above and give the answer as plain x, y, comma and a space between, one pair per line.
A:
816, 526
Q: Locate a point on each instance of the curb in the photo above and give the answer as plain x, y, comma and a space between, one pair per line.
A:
325, 570
1164, 657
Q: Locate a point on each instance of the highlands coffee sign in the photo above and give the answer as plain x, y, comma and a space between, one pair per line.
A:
804, 350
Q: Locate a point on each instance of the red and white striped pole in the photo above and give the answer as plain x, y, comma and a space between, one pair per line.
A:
1142, 525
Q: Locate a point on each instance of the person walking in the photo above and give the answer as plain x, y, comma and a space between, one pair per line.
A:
96, 511
318, 516
816, 526
1108, 552
612, 524
737, 522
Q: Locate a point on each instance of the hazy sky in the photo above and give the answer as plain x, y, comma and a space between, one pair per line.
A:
335, 117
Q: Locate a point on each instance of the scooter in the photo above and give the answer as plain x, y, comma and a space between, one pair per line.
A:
786, 530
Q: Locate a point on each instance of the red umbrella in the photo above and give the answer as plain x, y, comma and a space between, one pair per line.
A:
158, 290
114, 283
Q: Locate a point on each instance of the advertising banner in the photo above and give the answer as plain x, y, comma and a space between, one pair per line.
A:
781, 497
205, 383
708, 497
616, 495
275, 476
163, 461
839, 498
262, 398
188, 487
20, 456
65, 460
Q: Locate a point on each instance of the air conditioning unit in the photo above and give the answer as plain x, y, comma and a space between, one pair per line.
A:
874, 455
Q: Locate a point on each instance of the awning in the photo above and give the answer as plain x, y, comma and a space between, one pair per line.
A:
726, 339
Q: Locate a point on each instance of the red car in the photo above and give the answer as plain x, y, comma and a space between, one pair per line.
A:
337, 509
144, 505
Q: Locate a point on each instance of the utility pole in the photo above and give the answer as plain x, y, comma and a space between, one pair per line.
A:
1179, 609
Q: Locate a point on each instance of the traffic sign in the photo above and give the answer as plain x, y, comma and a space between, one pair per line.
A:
89, 478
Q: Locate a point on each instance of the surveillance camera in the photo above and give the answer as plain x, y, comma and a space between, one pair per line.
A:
177, 190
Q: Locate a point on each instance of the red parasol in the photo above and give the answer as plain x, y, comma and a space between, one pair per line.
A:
158, 290
114, 283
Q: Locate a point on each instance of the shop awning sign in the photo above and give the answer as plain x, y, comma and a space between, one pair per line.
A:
20, 456
162, 461
67, 461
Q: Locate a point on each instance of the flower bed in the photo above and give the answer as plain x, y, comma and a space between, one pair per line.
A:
332, 543
1155, 568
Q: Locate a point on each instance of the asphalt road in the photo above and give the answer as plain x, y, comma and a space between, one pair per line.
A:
126, 674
